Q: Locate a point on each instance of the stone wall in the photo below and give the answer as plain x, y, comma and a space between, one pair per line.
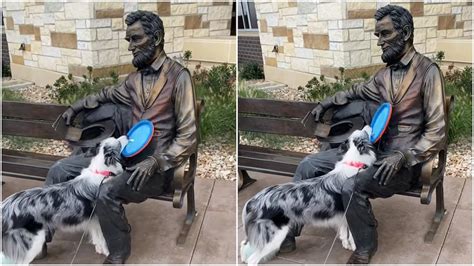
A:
68, 37
318, 38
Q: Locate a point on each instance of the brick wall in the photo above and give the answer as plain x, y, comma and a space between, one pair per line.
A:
68, 37
249, 50
318, 38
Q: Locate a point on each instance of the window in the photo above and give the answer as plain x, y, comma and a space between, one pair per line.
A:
247, 16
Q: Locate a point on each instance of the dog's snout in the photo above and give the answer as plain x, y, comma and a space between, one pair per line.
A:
123, 141
367, 129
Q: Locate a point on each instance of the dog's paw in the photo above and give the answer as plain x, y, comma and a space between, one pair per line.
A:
347, 244
101, 250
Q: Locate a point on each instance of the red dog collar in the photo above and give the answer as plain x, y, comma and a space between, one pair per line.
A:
356, 164
104, 173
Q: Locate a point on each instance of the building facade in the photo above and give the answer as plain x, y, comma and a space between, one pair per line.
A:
65, 38
301, 39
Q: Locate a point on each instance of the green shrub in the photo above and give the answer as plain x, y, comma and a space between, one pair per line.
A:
10, 95
247, 92
251, 71
67, 90
459, 84
217, 88
317, 90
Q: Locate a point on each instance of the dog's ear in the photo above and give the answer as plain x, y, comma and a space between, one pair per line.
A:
343, 147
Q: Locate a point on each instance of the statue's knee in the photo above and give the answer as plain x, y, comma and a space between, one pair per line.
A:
56, 174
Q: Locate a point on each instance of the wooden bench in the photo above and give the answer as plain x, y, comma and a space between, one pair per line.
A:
284, 118
35, 120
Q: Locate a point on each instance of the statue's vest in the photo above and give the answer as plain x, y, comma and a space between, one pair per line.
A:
160, 110
406, 124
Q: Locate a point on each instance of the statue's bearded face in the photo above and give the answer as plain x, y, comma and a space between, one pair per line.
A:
141, 45
390, 40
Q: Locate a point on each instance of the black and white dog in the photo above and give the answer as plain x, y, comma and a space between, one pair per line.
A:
268, 215
27, 215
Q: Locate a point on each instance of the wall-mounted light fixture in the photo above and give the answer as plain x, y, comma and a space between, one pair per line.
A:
22, 47
275, 49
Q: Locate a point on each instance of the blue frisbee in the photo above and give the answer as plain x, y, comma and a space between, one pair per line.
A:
380, 121
139, 136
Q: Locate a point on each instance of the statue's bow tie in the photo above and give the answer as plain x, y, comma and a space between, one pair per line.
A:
148, 71
396, 66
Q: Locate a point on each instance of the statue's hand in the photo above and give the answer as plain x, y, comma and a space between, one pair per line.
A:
142, 172
318, 112
69, 115
388, 167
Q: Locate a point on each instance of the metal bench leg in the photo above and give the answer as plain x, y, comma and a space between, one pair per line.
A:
439, 214
246, 179
191, 213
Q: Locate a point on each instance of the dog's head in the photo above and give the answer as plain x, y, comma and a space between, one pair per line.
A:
358, 147
108, 155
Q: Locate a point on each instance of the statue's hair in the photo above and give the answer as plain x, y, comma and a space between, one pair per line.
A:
151, 22
400, 17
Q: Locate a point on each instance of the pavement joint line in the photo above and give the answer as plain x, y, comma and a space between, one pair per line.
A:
202, 222
451, 221
290, 260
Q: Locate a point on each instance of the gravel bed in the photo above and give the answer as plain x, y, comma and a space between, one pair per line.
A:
458, 165
215, 161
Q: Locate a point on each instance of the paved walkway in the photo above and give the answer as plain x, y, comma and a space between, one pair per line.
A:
402, 221
155, 227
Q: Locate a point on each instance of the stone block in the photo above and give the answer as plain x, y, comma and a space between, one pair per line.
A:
265, 8
89, 58
70, 52
300, 64
47, 62
289, 35
466, 13
201, 33
99, 23
360, 58
109, 13
218, 25
178, 44
350, 24
105, 44
18, 17
104, 34
65, 26
420, 47
17, 59
192, 22
356, 34
205, 24
26, 29
86, 34
431, 45
117, 24
460, 24
36, 47
431, 21
126, 59
431, 32
288, 11
333, 25
318, 27
417, 9
361, 5
78, 10
456, 10
279, 31
336, 46
323, 53
31, 63
304, 52
184, 9
341, 59
263, 25
178, 32
219, 12
271, 61
9, 6
108, 5
9, 24
338, 35
130, 6
51, 51
202, 10
419, 35
36, 9
50, 7
164, 8
454, 33
64, 40
446, 22
360, 13
437, 9
108, 57
80, 24
356, 45
153, 7
307, 7
330, 11
74, 60
175, 21
316, 41
272, 19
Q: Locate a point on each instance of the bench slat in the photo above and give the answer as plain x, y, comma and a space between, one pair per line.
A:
34, 155
36, 129
274, 126
264, 165
255, 149
32, 111
277, 108
37, 171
